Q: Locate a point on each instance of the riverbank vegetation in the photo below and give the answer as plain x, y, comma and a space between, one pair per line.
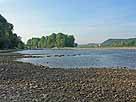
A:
8, 39
59, 40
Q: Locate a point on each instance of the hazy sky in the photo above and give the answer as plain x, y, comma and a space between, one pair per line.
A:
88, 20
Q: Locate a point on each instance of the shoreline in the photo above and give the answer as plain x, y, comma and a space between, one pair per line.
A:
99, 48
25, 82
67, 48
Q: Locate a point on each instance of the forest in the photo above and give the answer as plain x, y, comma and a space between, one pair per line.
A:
8, 39
58, 40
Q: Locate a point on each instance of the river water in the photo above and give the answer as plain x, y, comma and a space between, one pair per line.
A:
82, 58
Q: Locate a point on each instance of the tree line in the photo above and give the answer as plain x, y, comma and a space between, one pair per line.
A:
119, 43
8, 39
54, 40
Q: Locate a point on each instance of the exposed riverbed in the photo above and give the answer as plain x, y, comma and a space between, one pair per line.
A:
24, 82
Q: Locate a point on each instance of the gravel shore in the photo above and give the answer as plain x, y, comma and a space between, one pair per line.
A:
24, 82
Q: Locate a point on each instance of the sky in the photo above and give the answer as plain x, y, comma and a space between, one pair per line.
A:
90, 21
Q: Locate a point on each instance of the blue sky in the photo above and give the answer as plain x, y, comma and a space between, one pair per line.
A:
88, 20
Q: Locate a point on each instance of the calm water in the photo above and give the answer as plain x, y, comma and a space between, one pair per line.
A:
84, 58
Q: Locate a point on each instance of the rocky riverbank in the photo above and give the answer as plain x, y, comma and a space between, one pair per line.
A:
24, 82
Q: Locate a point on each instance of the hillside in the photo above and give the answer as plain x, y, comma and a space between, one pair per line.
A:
119, 43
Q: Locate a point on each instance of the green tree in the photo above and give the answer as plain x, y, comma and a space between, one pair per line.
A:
60, 41
35, 42
7, 38
54, 40
70, 41
51, 41
43, 42
29, 43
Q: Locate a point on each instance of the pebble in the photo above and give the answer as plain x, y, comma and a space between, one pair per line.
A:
24, 82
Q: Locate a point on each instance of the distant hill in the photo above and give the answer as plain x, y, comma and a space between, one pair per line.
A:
119, 43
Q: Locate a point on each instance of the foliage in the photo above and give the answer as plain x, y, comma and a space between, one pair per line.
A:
119, 43
43, 42
8, 39
54, 40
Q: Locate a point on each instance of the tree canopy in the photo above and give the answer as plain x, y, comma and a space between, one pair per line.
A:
54, 40
8, 39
